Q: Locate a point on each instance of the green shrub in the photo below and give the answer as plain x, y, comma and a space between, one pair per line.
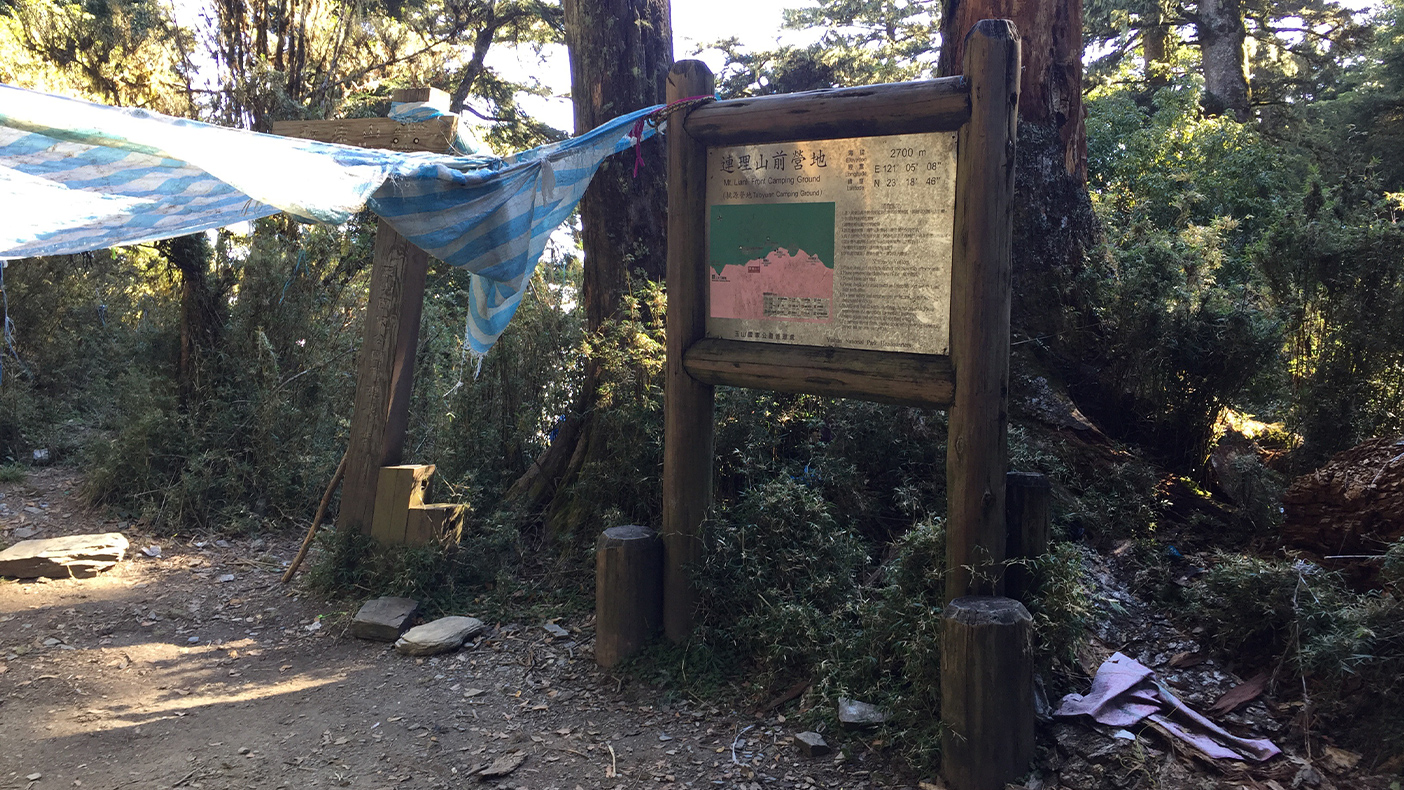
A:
482, 427
1061, 605
247, 432
1337, 272
1347, 648
620, 478
778, 573
444, 578
891, 653
1254, 609
786, 592
1392, 571
22, 420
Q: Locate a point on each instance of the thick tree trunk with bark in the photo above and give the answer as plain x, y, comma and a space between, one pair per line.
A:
1155, 50
1050, 90
620, 52
1053, 220
1221, 38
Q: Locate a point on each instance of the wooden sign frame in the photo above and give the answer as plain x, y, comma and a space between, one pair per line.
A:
972, 382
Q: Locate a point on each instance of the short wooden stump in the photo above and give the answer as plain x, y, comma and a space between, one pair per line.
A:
628, 591
987, 703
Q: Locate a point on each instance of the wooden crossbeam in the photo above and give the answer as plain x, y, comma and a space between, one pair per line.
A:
883, 376
868, 111
434, 135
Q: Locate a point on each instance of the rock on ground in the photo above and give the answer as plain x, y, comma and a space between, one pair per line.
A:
60, 558
812, 744
383, 619
503, 765
855, 715
440, 636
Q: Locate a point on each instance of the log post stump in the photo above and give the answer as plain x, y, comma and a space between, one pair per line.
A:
628, 591
1027, 499
987, 701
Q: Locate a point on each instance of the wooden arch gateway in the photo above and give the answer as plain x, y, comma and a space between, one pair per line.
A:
856, 242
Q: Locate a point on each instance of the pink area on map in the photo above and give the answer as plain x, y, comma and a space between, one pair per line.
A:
739, 291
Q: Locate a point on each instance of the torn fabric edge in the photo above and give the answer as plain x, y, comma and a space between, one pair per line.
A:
1126, 692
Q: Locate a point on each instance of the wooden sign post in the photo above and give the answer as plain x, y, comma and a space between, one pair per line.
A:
385, 374
688, 426
856, 242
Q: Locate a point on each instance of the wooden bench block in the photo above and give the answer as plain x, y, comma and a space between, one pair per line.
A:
399, 489
435, 524
434, 97
435, 135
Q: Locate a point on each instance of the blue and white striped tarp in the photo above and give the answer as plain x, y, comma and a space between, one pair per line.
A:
76, 176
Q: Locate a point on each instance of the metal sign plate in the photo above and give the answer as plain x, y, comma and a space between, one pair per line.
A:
843, 243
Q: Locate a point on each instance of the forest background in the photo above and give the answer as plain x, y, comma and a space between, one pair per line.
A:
1226, 266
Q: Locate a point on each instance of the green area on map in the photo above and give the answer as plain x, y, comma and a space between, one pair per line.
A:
740, 234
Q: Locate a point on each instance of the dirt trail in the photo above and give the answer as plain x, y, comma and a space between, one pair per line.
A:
197, 669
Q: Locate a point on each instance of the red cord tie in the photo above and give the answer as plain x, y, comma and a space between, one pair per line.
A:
636, 133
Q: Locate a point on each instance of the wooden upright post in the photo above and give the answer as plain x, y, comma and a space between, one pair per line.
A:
976, 454
987, 707
687, 403
628, 592
385, 375
1026, 509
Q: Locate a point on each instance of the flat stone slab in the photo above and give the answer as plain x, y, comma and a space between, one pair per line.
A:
812, 744
503, 765
440, 636
855, 715
383, 619
77, 556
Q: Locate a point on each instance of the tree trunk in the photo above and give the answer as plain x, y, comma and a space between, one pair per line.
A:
1050, 91
201, 316
620, 52
1053, 220
1155, 50
1221, 38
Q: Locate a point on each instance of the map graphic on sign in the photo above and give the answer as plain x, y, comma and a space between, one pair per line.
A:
772, 261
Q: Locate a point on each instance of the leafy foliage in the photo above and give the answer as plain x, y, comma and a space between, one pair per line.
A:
859, 42
1337, 277
254, 438
124, 52
443, 578
1233, 273
779, 571
1302, 620
1371, 102
1255, 265
621, 483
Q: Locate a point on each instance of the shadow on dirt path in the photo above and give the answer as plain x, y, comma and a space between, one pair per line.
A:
198, 669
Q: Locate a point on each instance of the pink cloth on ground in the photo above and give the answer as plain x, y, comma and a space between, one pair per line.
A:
1126, 691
